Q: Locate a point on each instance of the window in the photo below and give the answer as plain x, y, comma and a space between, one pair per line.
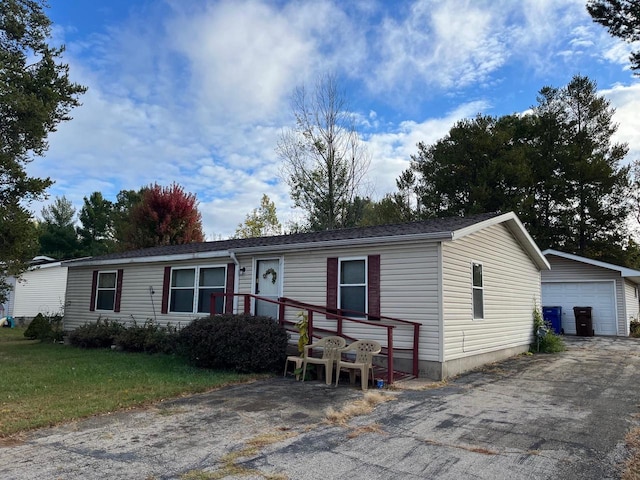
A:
352, 286
478, 291
106, 291
191, 289
212, 280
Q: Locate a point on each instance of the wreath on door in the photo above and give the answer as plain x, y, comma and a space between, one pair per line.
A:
273, 273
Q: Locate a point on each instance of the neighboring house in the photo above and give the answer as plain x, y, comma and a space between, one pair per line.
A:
471, 283
610, 290
40, 289
6, 308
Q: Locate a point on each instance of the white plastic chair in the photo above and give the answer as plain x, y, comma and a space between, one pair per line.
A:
331, 346
365, 350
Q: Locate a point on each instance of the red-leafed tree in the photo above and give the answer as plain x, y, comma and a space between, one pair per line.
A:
164, 216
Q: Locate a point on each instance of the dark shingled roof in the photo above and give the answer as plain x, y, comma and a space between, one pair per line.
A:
432, 226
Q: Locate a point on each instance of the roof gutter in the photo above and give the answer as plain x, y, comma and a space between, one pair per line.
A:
416, 237
151, 259
432, 237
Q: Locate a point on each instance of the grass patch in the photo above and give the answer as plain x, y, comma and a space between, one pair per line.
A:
230, 462
46, 384
357, 408
371, 428
632, 465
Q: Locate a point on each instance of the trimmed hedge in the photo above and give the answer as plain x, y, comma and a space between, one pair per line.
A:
243, 343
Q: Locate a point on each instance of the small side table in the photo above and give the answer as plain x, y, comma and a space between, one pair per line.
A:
298, 362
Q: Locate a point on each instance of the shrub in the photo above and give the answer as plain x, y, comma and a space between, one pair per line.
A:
546, 341
551, 343
243, 343
149, 338
45, 328
634, 327
101, 334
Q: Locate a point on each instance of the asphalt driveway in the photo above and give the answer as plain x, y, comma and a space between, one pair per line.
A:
544, 416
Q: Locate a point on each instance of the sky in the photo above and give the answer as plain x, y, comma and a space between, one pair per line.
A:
198, 92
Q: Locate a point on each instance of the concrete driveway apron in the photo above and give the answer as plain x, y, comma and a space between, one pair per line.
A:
544, 416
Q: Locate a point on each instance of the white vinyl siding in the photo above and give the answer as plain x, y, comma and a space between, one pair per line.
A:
511, 287
137, 301
245, 280
631, 301
566, 270
408, 289
41, 290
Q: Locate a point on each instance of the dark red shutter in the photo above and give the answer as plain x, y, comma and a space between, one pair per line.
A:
373, 282
165, 290
116, 306
94, 287
332, 285
229, 288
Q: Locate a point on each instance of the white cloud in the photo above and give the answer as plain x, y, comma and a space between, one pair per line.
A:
197, 92
447, 45
626, 100
246, 57
391, 151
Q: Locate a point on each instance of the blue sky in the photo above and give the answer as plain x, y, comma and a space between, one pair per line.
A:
197, 91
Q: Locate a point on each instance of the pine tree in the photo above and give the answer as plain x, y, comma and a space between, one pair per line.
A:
35, 96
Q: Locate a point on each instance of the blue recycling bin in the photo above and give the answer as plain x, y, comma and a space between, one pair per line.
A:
553, 316
8, 322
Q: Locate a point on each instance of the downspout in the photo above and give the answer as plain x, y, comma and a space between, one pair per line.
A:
236, 280
441, 323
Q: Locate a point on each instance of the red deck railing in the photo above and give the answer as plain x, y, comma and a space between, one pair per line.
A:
340, 317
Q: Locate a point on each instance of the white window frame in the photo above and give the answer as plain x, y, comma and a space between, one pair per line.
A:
365, 284
475, 288
196, 287
98, 290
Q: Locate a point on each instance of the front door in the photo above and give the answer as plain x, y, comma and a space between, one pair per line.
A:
267, 284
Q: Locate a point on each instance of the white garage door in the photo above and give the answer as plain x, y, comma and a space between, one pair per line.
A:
598, 295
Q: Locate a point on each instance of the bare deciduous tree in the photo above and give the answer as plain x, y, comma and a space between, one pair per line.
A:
324, 161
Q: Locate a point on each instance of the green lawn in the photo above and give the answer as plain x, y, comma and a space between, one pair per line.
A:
45, 384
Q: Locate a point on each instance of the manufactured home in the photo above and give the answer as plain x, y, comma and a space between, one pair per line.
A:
442, 296
39, 289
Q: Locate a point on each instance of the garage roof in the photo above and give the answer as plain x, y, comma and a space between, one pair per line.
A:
631, 274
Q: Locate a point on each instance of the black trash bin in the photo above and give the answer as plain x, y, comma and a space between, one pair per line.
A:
584, 321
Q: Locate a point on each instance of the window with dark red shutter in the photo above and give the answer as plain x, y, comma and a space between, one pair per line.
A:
373, 286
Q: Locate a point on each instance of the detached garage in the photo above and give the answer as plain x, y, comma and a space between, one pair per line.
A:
611, 291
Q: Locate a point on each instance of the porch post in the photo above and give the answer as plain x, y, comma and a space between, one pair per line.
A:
310, 325
390, 355
416, 344
247, 304
281, 308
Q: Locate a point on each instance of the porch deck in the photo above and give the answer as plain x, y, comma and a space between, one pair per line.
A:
322, 322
